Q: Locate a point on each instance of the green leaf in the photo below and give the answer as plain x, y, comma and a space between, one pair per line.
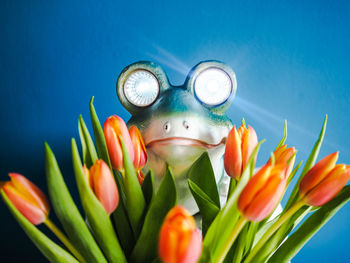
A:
148, 188
135, 201
269, 247
310, 227
68, 213
309, 163
147, 245
99, 136
203, 187
123, 228
224, 223
208, 209
284, 138
53, 252
120, 218
98, 219
240, 245
202, 174
88, 147
294, 172
252, 230
232, 187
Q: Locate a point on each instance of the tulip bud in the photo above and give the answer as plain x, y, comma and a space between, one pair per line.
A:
263, 192
324, 181
140, 155
103, 185
179, 241
316, 174
284, 155
29, 200
114, 127
239, 147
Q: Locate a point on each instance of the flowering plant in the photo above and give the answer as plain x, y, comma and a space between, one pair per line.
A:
128, 220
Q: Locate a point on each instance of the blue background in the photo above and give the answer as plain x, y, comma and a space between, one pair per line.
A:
291, 59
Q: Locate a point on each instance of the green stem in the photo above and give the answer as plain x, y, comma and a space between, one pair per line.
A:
64, 239
227, 245
232, 187
273, 229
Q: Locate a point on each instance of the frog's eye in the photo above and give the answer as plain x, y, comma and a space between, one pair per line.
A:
141, 88
213, 86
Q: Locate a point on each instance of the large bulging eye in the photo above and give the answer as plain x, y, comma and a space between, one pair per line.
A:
213, 86
141, 88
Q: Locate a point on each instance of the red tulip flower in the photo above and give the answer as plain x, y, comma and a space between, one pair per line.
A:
102, 183
140, 155
263, 192
29, 200
324, 181
114, 127
239, 147
179, 241
284, 155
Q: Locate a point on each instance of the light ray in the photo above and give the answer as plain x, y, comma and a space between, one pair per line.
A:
270, 120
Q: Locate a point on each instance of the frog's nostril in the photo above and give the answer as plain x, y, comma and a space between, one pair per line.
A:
166, 127
186, 125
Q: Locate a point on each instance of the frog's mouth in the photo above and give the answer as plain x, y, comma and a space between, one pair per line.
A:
182, 141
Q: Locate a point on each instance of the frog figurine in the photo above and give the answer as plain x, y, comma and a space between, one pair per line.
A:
179, 123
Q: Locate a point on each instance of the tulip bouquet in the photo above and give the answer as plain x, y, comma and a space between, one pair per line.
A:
127, 220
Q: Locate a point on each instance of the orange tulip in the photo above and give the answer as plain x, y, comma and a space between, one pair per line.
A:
179, 241
239, 147
102, 183
140, 155
114, 127
29, 200
284, 155
263, 192
324, 181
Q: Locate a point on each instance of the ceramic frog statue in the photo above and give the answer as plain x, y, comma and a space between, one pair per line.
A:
179, 123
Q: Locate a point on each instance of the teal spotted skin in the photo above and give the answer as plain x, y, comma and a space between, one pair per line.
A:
177, 127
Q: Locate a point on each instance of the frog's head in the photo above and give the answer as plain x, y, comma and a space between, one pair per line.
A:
178, 123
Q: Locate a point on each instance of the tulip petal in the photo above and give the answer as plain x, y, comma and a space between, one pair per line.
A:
285, 155
279, 151
330, 186
233, 154
253, 187
104, 186
241, 130
25, 205
120, 129
266, 200
194, 248
113, 144
249, 142
179, 241
140, 156
31, 191
317, 173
